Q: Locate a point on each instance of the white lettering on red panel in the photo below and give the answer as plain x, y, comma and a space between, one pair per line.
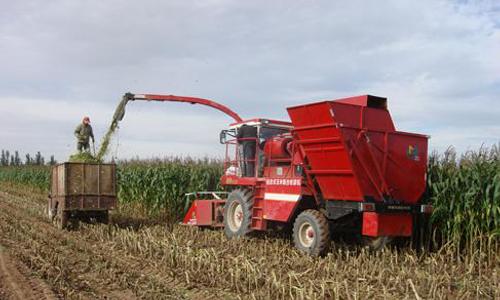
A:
283, 181
282, 197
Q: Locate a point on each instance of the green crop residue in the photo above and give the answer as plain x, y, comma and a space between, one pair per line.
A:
84, 157
87, 157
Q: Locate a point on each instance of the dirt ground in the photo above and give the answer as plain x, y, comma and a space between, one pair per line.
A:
39, 261
134, 259
16, 281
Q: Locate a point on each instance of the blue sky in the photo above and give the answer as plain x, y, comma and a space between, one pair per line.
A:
438, 63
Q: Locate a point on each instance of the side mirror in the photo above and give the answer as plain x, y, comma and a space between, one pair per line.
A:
223, 137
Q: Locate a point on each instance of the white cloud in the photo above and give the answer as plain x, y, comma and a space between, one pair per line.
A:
147, 129
438, 63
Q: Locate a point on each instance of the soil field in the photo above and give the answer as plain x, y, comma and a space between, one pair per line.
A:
134, 258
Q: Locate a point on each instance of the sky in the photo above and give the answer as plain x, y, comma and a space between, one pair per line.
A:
437, 62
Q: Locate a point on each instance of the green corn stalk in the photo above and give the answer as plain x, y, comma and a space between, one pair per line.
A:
464, 190
159, 185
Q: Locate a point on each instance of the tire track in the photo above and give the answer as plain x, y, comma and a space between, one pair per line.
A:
105, 272
19, 284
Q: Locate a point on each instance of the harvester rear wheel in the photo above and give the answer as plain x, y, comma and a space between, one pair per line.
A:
311, 233
238, 213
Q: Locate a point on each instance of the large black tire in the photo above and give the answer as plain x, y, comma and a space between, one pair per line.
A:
311, 233
238, 213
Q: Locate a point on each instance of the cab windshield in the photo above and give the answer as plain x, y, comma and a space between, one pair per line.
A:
267, 132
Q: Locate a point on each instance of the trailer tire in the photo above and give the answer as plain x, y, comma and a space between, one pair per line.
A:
104, 217
238, 213
311, 233
64, 219
52, 212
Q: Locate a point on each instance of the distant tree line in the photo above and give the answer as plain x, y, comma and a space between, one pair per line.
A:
14, 159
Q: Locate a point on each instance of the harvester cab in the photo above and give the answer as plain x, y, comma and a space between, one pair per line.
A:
246, 144
339, 167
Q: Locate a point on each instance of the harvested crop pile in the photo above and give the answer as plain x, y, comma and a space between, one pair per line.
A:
87, 157
84, 157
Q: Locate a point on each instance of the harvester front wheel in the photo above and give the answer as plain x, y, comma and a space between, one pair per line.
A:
311, 233
238, 213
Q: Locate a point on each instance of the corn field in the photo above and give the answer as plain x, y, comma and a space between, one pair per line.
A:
159, 186
136, 257
149, 262
36, 176
465, 190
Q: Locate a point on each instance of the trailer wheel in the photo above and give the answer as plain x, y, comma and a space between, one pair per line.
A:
375, 243
64, 219
52, 212
311, 233
238, 213
104, 217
